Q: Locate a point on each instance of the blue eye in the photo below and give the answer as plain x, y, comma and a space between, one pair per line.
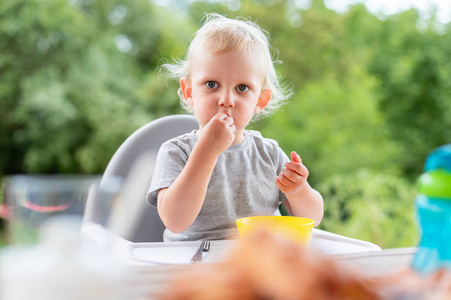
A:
242, 88
211, 84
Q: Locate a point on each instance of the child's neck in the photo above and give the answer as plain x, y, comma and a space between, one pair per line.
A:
239, 137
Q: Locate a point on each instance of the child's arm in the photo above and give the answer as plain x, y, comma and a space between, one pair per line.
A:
303, 200
180, 204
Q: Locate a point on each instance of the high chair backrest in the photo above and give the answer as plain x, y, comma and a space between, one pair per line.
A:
146, 140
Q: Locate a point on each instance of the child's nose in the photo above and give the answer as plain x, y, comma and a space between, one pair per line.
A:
227, 100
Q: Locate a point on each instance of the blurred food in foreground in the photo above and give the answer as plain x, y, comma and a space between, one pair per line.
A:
265, 266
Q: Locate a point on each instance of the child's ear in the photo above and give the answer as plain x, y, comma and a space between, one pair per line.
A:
263, 100
185, 87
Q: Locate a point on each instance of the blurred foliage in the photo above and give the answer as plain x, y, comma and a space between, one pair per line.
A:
371, 96
377, 207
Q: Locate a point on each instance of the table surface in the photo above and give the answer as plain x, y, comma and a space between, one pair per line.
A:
151, 273
155, 276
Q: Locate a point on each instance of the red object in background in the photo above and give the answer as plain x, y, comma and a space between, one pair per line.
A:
35, 207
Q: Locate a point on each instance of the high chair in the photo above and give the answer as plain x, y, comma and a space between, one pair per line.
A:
136, 154
138, 221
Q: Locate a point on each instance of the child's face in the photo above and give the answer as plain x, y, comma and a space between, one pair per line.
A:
230, 82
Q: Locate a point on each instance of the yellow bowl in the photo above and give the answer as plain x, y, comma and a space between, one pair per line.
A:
295, 229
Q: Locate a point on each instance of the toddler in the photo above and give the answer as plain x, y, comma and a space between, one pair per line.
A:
206, 179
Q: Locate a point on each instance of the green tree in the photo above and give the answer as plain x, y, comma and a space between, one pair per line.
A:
336, 127
73, 79
414, 70
378, 207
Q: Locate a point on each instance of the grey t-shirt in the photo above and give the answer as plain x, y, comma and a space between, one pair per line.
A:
242, 184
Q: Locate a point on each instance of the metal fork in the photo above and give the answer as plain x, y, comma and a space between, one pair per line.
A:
204, 247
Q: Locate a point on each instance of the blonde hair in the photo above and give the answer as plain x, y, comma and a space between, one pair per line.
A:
223, 34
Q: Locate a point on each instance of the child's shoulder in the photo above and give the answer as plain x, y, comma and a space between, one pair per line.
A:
189, 136
257, 138
266, 147
186, 140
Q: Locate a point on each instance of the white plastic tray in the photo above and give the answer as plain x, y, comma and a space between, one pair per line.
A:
335, 244
181, 252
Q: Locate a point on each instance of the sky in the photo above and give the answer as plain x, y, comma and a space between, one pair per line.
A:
388, 7
377, 7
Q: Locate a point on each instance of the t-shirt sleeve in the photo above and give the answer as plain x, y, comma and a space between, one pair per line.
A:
171, 160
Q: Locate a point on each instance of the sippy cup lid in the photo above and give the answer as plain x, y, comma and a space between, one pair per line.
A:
440, 158
436, 179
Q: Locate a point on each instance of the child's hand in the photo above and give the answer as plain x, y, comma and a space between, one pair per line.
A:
294, 176
218, 134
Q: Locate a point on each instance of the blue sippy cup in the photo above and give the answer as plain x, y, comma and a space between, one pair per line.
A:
433, 213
